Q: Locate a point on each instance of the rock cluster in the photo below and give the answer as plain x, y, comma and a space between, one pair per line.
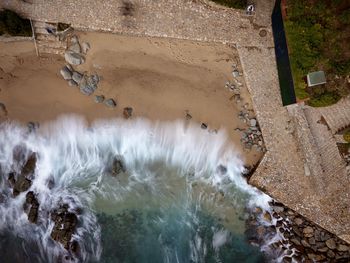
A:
301, 240
65, 220
251, 137
65, 225
73, 55
127, 112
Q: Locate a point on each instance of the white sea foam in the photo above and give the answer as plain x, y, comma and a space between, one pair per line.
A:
74, 156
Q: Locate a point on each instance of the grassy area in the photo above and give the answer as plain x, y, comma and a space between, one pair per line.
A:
13, 25
318, 35
239, 4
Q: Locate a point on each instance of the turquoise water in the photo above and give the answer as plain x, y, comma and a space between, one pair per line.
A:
181, 198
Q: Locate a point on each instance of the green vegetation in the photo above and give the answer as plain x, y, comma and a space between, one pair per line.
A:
239, 4
346, 136
318, 36
13, 25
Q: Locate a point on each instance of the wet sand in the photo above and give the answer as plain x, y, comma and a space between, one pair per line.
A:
159, 78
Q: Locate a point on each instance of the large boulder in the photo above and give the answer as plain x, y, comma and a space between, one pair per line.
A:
74, 58
33, 203
66, 73
88, 84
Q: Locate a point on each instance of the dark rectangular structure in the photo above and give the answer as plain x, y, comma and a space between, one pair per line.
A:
282, 58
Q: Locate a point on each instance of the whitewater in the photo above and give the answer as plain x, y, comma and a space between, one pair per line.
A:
182, 197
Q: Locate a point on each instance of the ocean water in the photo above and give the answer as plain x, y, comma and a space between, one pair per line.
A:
181, 198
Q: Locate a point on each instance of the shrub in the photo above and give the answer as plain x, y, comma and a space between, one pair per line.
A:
325, 99
13, 25
239, 4
346, 136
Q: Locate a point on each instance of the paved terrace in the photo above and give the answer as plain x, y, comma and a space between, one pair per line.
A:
291, 170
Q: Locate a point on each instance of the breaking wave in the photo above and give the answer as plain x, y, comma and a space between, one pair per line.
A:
182, 177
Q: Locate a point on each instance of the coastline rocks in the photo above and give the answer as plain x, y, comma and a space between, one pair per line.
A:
65, 225
302, 240
73, 58
204, 126
110, 103
66, 73
33, 126
99, 98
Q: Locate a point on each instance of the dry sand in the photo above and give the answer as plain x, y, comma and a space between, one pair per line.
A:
159, 78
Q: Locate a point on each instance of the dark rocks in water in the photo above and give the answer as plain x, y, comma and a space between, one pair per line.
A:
33, 126
222, 169
99, 98
32, 201
29, 166
127, 112
204, 126
22, 184
117, 166
65, 225
12, 179
24, 179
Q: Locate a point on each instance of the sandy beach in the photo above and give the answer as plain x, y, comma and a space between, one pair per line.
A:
160, 79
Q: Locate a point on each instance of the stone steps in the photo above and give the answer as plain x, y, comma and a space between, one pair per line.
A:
46, 42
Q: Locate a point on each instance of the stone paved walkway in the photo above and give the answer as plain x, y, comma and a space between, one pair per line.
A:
287, 171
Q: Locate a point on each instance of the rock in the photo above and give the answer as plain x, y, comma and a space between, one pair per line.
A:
127, 112
74, 58
323, 249
22, 184
33, 126
85, 47
75, 48
298, 221
295, 241
65, 224
32, 201
11, 179
312, 241
330, 243
88, 84
235, 73
99, 98
110, 103
278, 209
305, 243
308, 231
3, 110
204, 126
221, 169
342, 248
267, 217
66, 73
77, 77
118, 166
252, 122
72, 83
330, 254
74, 39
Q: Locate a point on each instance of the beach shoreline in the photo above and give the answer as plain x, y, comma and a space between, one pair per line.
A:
161, 79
